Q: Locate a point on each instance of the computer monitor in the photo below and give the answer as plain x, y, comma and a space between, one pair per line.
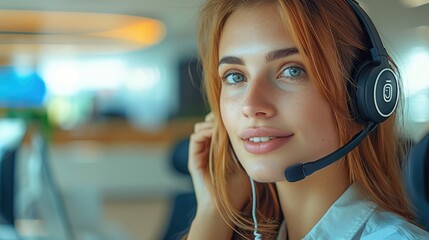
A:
12, 132
40, 205
30, 202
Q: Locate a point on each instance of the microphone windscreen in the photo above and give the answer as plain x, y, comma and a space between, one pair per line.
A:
295, 172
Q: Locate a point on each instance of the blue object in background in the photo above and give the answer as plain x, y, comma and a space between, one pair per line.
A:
21, 89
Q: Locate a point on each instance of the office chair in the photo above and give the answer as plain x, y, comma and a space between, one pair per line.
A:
417, 179
184, 203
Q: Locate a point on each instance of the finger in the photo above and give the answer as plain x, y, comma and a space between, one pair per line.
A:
199, 161
202, 126
200, 137
209, 117
199, 142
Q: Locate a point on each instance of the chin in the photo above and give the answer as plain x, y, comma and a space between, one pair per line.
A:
266, 175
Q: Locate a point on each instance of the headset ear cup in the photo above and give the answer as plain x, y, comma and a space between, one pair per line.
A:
355, 102
377, 92
365, 88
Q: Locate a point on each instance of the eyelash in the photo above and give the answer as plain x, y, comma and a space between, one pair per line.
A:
228, 74
281, 75
293, 78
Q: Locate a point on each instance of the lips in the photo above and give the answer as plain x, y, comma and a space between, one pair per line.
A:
264, 140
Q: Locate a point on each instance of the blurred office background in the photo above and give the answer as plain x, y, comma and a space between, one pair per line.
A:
103, 91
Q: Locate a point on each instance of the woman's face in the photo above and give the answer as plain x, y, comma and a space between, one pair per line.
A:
273, 114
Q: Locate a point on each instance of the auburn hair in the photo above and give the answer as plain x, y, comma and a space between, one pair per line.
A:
332, 43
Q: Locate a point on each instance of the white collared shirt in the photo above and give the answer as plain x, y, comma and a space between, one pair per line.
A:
354, 217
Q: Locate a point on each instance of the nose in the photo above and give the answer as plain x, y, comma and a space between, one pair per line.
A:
259, 100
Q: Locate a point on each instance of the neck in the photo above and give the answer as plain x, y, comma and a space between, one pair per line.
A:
305, 202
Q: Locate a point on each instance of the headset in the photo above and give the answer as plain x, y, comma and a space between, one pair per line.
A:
375, 96
377, 90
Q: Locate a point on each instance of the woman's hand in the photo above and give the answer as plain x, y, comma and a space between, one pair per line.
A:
198, 164
208, 222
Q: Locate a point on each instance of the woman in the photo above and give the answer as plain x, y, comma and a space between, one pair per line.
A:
277, 75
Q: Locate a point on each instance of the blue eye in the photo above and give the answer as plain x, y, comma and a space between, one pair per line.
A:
234, 78
292, 72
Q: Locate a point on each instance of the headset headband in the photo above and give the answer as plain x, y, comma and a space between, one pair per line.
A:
377, 51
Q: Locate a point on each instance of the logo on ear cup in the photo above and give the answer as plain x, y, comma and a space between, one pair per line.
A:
387, 91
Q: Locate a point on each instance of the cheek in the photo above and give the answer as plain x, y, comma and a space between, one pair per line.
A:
321, 123
320, 109
229, 110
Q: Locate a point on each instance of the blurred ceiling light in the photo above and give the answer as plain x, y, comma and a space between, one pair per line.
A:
37, 32
146, 32
102, 74
67, 72
143, 80
414, 3
77, 76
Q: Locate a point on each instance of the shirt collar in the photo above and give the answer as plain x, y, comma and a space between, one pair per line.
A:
345, 217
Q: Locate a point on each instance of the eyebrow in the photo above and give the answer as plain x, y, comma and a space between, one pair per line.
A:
230, 60
271, 56
281, 53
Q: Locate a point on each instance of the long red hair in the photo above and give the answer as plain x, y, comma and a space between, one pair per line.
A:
331, 42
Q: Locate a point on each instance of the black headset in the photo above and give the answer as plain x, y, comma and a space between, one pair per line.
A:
377, 90
374, 98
